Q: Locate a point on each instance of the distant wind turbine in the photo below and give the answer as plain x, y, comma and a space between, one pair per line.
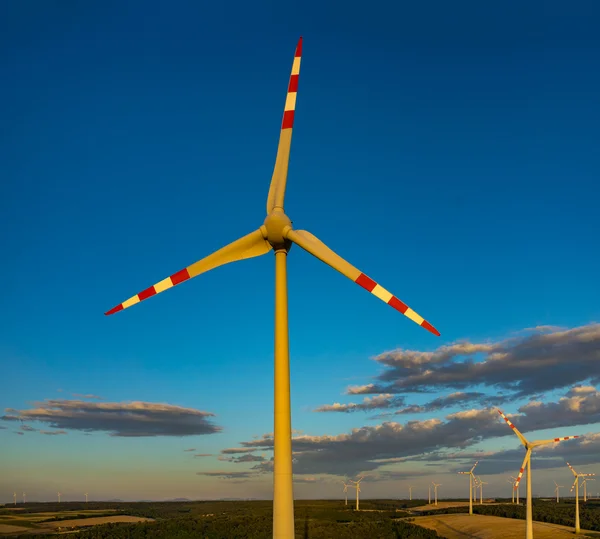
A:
585, 487
471, 476
429, 490
15, 497
435, 487
576, 487
58, 496
557, 489
24, 497
481, 483
410, 492
346, 492
512, 490
86, 497
517, 489
357, 487
276, 234
530, 446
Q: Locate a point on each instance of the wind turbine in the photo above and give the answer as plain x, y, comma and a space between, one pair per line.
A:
515, 489
15, 497
346, 492
512, 490
556, 490
585, 487
481, 483
576, 487
24, 497
410, 492
357, 487
435, 487
429, 490
86, 497
471, 476
58, 496
530, 446
276, 234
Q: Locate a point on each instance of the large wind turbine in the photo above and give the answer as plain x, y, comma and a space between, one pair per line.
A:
529, 446
576, 487
435, 487
556, 490
277, 234
471, 476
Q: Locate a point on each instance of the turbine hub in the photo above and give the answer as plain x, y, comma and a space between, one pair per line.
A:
275, 227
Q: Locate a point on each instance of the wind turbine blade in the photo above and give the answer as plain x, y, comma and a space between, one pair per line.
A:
317, 248
527, 457
249, 246
279, 178
555, 440
572, 469
476, 463
516, 431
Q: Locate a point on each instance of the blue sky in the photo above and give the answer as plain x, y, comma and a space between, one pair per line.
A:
448, 152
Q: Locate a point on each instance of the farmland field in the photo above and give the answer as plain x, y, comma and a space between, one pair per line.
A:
460, 526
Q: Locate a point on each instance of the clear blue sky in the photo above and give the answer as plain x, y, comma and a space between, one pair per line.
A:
451, 153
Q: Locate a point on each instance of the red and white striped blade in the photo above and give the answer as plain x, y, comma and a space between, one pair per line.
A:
279, 178
553, 441
527, 457
511, 425
249, 246
317, 248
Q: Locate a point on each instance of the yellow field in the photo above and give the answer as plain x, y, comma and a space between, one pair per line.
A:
488, 527
10, 529
94, 521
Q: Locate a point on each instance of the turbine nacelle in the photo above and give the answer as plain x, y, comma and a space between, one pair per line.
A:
275, 228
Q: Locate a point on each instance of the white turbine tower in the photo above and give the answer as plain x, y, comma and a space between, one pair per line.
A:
429, 490
345, 492
357, 487
585, 487
24, 497
15, 497
512, 490
481, 483
86, 494
410, 492
576, 487
556, 490
58, 496
530, 446
435, 487
471, 476
515, 489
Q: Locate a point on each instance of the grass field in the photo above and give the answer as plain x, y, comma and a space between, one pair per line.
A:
487, 527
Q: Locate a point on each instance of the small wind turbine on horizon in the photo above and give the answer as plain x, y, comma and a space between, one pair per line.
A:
15, 497
585, 487
58, 496
24, 497
86, 497
435, 487
517, 489
276, 233
357, 487
346, 492
512, 490
429, 490
529, 446
481, 483
410, 492
576, 487
556, 490
471, 477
